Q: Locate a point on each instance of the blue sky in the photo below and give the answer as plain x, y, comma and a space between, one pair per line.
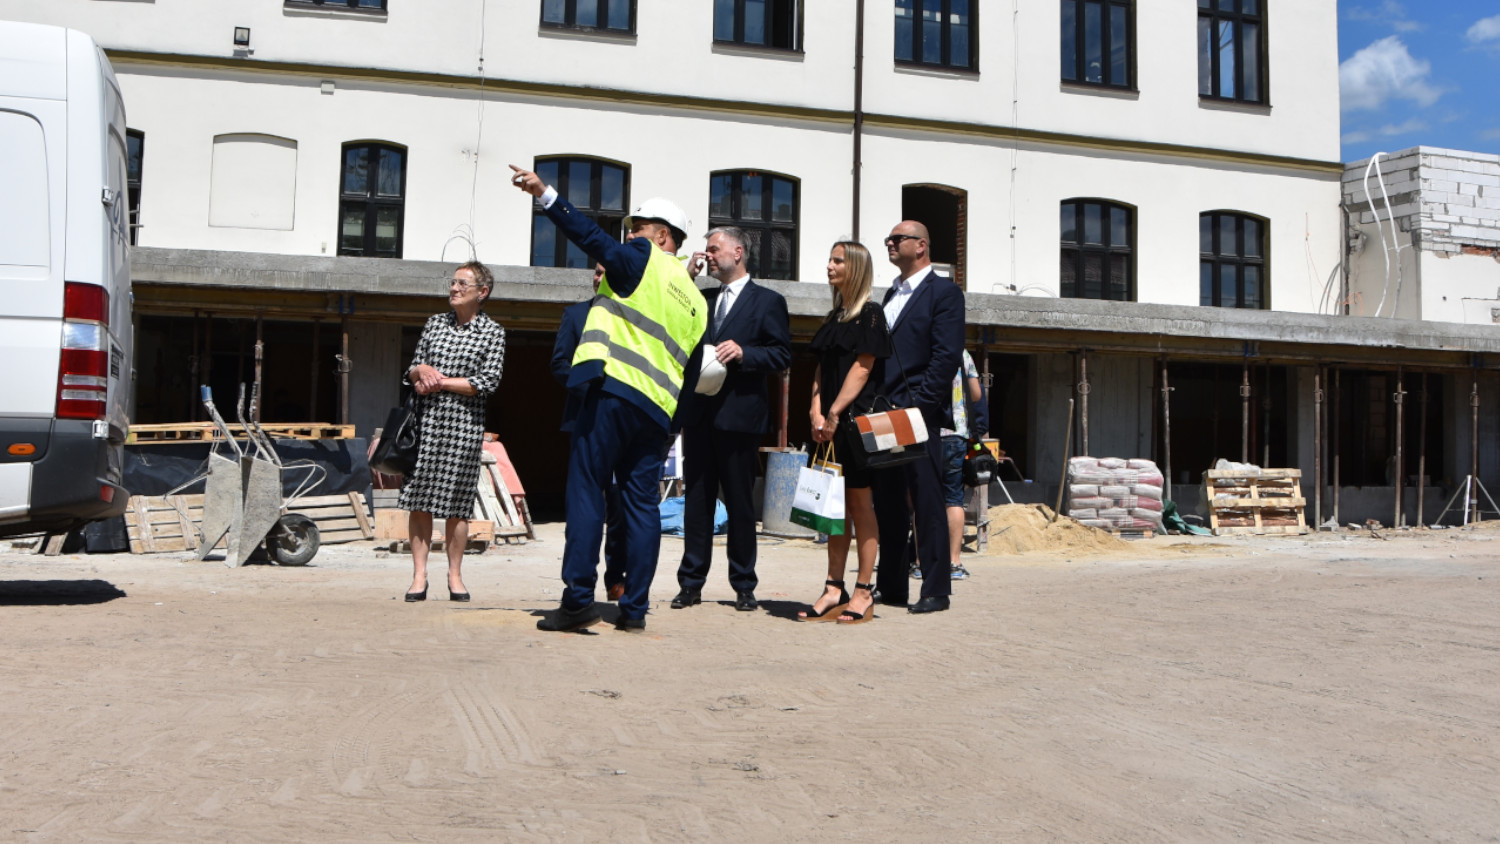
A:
1419, 72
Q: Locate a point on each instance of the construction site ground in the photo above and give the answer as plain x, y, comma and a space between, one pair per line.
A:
1331, 687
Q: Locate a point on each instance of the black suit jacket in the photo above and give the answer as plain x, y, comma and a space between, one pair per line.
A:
758, 322
928, 341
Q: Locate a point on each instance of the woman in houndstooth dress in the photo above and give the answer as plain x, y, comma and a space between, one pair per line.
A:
456, 368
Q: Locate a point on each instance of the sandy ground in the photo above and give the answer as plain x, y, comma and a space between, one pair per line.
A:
1327, 688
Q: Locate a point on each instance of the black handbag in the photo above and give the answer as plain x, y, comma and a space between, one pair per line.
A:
400, 439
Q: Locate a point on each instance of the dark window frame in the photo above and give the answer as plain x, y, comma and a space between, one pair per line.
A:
370, 7
1215, 259
371, 200
1106, 249
612, 220
945, 59
134, 164
788, 13
1079, 38
764, 227
1211, 13
570, 17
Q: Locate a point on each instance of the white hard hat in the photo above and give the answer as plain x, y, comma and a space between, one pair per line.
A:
664, 210
711, 376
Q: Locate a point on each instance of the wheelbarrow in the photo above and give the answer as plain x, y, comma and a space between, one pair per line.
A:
244, 497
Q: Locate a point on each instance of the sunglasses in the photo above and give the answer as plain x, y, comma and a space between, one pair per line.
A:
895, 239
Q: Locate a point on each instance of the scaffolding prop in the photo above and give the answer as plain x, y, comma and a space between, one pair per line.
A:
1471, 488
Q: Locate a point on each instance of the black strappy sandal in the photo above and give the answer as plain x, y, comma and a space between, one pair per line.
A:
830, 614
849, 616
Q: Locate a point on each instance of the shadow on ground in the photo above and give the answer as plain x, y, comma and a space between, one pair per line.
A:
57, 593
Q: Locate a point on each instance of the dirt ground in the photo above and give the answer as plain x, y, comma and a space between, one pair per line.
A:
1326, 688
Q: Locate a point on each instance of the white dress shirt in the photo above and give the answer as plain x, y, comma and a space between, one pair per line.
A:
905, 287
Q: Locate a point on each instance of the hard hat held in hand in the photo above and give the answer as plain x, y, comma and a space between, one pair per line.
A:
664, 210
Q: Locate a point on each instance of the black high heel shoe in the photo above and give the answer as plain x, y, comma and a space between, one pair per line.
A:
413, 597
849, 616
458, 596
832, 613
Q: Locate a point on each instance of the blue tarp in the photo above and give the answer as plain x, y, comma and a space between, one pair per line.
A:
671, 517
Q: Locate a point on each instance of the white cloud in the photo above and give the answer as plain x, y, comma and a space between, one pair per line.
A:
1388, 12
1491, 134
1383, 71
1487, 29
1357, 137
1391, 130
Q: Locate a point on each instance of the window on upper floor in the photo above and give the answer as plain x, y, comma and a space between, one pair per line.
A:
1098, 255
1098, 42
765, 206
1232, 261
356, 5
135, 153
1232, 50
599, 189
606, 15
938, 33
372, 200
759, 23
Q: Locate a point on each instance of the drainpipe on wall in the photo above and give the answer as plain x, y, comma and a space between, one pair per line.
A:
859, 109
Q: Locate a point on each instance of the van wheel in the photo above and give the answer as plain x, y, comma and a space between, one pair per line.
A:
293, 540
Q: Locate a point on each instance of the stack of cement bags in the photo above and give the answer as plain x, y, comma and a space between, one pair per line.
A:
1114, 494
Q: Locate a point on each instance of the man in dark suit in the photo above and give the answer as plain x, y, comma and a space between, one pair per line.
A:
568, 332
925, 312
749, 334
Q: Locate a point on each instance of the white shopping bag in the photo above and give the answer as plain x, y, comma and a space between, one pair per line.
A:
819, 502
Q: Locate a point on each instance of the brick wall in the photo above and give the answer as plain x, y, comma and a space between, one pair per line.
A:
1447, 199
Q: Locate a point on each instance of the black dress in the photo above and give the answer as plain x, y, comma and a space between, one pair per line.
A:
838, 345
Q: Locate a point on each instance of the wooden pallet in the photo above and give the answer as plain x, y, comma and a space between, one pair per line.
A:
158, 524
180, 432
1265, 504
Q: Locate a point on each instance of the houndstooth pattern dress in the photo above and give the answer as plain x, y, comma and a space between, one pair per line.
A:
446, 479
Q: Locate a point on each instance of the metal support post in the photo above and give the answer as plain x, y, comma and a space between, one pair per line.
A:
1245, 412
1422, 455
1318, 447
1083, 402
1399, 397
1166, 430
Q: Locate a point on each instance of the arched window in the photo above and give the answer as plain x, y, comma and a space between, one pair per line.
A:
599, 189
765, 206
1098, 255
372, 200
944, 211
1232, 261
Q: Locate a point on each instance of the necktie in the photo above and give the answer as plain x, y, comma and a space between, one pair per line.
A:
722, 309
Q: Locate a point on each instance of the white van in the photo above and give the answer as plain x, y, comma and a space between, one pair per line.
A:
65, 321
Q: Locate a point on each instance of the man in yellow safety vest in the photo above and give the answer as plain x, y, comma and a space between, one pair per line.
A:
628, 370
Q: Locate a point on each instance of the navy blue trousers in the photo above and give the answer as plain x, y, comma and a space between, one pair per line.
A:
613, 438
915, 489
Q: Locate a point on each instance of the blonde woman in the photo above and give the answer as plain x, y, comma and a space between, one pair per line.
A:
851, 346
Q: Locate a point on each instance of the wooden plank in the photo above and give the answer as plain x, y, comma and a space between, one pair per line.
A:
174, 432
1270, 503
361, 512
1263, 474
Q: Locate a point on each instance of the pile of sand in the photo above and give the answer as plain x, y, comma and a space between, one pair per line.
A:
1024, 528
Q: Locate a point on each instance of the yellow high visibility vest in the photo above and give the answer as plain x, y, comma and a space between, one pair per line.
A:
645, 339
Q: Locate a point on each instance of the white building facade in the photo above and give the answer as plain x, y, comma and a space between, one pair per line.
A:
1176, 160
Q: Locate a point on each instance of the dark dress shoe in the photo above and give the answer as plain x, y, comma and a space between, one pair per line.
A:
461, 597
565, 620
745, 601
929, 605
413, 597
630, 625
687, 597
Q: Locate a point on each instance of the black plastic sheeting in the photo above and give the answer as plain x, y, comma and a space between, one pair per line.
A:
159, 469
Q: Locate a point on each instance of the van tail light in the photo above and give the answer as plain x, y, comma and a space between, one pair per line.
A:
83, 374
